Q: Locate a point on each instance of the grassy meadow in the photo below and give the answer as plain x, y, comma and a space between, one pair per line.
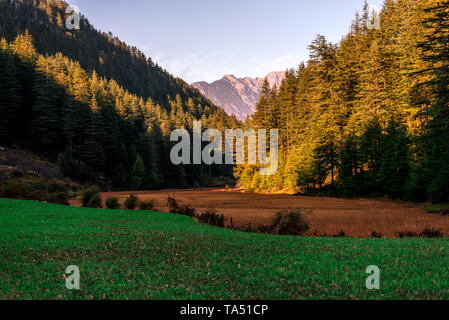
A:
148, 255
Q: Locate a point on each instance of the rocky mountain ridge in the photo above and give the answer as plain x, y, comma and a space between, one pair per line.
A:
237, 96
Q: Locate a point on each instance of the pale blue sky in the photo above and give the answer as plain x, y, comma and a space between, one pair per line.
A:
206, 39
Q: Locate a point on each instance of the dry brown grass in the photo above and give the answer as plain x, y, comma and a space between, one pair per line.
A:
328, 216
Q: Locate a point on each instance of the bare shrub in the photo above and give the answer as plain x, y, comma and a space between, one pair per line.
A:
132, 202
289, 222
212, 218
95, 202
375, 235
44, 191
341, 234
428, 232
87, 195
13, 190
408, 234
431, 232
179, 208
61, 198
112, 203
262, 228
147, 204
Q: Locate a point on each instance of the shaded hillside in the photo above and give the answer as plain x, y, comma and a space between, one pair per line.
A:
95, 127
16, 163
93, 49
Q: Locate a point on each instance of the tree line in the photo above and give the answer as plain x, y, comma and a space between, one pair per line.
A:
368, 116
95, 129
93, 49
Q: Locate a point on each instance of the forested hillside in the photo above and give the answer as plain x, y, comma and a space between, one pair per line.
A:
93, 49
98, 108
369, 115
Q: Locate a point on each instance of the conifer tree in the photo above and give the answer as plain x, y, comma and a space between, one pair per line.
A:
46, 109
138, 173
263, 106
436, 52
350, 166
326, 156
395, 160
10, 93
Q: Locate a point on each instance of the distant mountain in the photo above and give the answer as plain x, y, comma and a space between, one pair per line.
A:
237, 96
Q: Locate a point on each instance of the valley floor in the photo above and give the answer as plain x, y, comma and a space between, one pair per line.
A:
327, 216
146, 255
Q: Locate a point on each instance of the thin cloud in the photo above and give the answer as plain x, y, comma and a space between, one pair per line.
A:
215, 64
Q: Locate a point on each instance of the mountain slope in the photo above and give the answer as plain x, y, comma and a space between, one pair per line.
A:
93, 49
81, 102
237, 96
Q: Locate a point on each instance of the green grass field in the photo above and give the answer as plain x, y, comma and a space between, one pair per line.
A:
147, 255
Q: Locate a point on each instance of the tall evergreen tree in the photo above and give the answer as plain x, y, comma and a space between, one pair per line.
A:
263, 106
138, 173
46, 109
10, 98
436, 50
395, 160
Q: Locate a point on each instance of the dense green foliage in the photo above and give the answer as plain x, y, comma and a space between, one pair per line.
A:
132, 255
89, 197
37, 190
369, 115
131, 202
112, 203
97, 107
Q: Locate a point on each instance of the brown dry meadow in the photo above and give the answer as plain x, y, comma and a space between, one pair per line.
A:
327, 216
